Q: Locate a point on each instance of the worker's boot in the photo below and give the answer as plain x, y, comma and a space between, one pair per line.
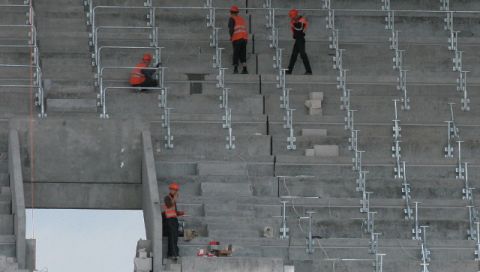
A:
235, 70
244, 70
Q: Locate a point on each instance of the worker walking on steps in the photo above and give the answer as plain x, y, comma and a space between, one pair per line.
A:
239, 38
171, 215
143, 75
298, 25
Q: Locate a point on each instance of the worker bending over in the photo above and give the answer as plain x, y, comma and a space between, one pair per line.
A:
298, 25
171, 215
239, 38
142, 75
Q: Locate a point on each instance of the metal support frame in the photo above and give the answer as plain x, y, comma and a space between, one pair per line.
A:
270, 17
350, 120
402, 80
309, 240
457, 61
369, 222
398, 59
210, 18
448, 150
353, 140
291, 139
326, 4
448, 20
416, 231
361, 181
425, 252
453, 41
221, 78
217, 58
396, 123
166, 124
230, 138
342, 79
163, 98
224, 98
378, 263
472, 233
214, 37
282, 78
273, 37
397, 169
394, 40
330, 19
373, 243
406, 194
338, 59
365, 201
227, 116
460, 170
357, 160
445, 5
477, 245
467, 191
386, 5
345, 99
333, 39
285, 98
277, 59
390, 20
284, 230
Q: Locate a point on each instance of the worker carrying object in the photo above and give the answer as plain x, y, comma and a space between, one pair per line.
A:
170, 215
298, 25
142, 75
239, 37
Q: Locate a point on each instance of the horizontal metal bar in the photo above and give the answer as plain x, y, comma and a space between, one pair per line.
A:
20, 86
18, 65
132, 87
300, 9
14, 6
129, 67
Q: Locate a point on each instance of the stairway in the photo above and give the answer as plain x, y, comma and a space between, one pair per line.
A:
67, 72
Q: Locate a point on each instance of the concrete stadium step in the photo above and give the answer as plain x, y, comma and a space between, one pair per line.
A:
226, 189
67, 66
71, 105
234, 264
4, 179
182, 166
7, 245
6, 224
249, 146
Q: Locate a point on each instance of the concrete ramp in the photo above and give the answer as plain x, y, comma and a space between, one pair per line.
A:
231, 264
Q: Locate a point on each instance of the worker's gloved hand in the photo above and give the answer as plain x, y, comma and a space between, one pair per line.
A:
158, 64
180, 213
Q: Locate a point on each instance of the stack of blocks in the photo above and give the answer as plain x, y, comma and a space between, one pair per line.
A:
314, 103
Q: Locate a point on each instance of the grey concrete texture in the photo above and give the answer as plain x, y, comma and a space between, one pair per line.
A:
232, 264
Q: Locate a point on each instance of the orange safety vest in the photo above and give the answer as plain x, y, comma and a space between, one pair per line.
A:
172, 211
136, 76
240, 29
301, 20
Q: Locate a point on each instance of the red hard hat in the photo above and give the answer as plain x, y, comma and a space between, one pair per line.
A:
234, 9
147, 57
293, 13
174, 186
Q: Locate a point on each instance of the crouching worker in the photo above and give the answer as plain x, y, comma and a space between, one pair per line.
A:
171, 215
143, 75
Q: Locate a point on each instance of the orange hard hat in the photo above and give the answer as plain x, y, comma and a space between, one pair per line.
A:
234, 9
147, 57
293, 13
174, 186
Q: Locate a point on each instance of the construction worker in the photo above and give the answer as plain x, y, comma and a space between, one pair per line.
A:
239, 38
171, 214
298, 25
141, 77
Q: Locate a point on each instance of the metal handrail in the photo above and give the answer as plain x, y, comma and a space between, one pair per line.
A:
103, 97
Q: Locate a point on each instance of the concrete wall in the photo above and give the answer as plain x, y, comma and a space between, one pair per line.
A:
18, 201
152, 212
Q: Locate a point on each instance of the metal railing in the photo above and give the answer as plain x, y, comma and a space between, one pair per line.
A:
34, 66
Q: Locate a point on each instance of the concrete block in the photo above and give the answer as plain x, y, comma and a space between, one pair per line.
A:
310, 152
289, 268
313, 111
313, 104
143, 264
314, 132
72, 105
316, 96
326, 150
222, 168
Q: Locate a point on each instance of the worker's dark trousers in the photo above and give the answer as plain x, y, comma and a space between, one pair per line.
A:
299, 48
149, 82
239, 52
172, 234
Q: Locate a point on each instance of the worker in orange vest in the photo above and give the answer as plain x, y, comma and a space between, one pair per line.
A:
239, 38
170, 215
298, 25
141, 77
